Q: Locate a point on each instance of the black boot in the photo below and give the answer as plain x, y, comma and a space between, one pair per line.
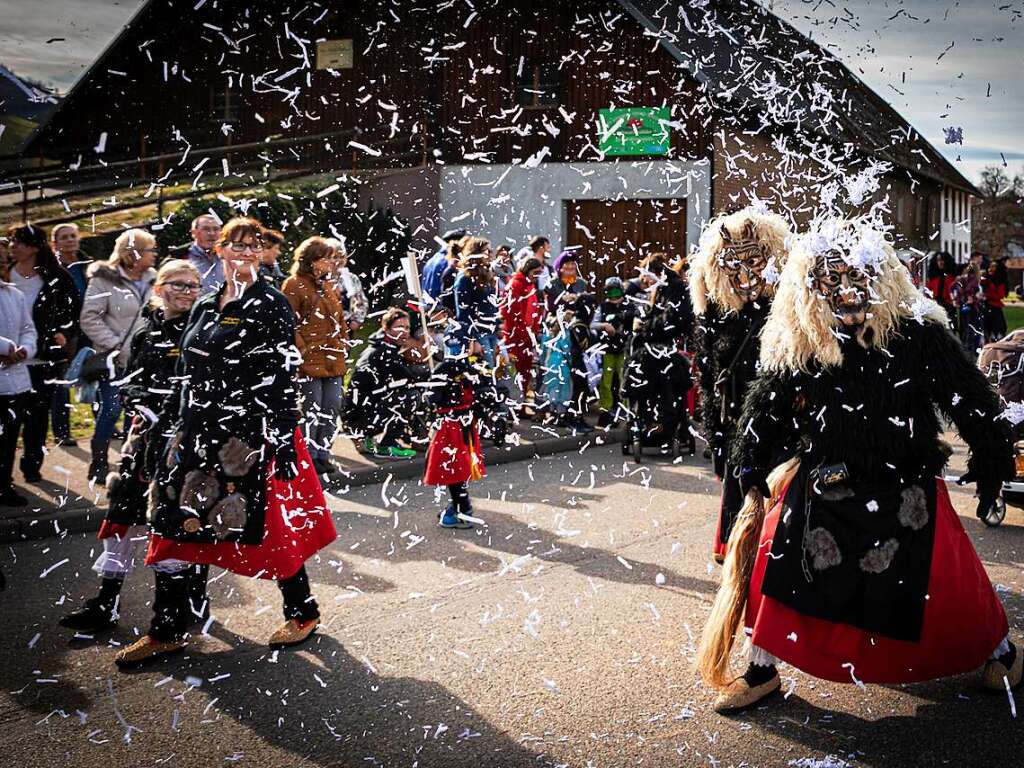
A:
98, 613
98, 467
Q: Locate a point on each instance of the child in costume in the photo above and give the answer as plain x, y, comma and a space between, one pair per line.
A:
556, 366
732, 281
455, 456
849, 558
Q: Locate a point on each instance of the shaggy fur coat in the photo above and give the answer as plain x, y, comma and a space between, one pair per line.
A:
859, 551
720, 346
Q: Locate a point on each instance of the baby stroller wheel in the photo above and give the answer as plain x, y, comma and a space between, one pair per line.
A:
996, 514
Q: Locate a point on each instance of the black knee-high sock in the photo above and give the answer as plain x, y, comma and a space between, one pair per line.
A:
757, 674
110, 588
460, 497
170, 606
297, 597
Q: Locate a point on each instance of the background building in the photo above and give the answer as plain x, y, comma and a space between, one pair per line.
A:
613, 125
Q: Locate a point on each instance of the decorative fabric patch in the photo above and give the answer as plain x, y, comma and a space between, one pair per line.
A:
913, 508
229, 516
823, 549
199, 491
237, 457
880, 557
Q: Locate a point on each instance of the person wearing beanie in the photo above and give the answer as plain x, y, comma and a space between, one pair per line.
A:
612, 323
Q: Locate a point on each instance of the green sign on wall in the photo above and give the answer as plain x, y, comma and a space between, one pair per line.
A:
633, 131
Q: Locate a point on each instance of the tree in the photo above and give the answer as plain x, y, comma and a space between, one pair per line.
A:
1018, 184
994, 181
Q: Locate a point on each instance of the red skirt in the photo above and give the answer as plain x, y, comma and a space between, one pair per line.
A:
963, 618
298, 525
109, 530
451, 458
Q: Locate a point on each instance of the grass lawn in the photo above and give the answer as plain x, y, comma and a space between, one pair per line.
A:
1014, 316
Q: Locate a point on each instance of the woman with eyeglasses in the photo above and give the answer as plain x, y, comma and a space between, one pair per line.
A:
54, 303
118, 290
154, 354
235, 486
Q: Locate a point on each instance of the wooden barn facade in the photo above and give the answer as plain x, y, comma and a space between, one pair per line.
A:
615, 125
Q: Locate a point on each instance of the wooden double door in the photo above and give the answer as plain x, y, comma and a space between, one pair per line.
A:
614, 235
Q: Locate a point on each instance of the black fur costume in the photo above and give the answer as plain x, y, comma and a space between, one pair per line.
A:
728, 347
859, 552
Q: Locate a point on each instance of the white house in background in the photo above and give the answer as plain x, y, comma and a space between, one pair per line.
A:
955, 223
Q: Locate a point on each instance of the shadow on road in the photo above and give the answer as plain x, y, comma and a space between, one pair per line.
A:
329, 708
936, 734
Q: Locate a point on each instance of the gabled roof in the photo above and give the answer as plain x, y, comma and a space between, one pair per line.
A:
87, 75
752, 61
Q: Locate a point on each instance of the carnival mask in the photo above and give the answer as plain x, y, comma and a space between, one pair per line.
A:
844, 287
744, 260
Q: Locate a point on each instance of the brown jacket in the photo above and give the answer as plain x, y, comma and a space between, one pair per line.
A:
321, 333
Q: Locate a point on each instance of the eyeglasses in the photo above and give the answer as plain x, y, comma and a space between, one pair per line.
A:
182, 287
243, 247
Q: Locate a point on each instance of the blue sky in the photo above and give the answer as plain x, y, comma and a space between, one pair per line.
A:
941, 63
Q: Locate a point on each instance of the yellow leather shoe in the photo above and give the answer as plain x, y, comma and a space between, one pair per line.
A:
293, 632
738, 695
995, 671
144, 650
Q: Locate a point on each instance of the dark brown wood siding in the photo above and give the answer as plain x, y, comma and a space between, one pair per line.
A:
451, 71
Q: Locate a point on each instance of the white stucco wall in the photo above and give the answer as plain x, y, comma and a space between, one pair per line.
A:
955, 223
511, 203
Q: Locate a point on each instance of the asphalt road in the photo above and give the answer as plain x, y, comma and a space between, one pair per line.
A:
562, 633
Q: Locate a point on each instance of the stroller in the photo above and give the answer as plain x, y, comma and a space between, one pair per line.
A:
1002, 362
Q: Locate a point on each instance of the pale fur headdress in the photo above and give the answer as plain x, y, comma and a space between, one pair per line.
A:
709, 283
801, 327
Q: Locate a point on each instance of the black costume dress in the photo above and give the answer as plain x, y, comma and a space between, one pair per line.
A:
147, 387
864, 572
728, 347
217, 500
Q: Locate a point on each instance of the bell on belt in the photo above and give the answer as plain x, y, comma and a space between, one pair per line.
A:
192, 525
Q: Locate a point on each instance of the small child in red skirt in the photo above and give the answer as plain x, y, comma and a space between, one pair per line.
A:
457, 388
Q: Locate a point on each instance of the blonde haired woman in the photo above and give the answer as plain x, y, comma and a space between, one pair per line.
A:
119, 289
321, 334
154, 354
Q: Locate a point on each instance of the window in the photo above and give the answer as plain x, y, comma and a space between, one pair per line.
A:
537, 85
945, 205
224, 106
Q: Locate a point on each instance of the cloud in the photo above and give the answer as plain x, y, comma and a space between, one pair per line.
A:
88, 26
974, 83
